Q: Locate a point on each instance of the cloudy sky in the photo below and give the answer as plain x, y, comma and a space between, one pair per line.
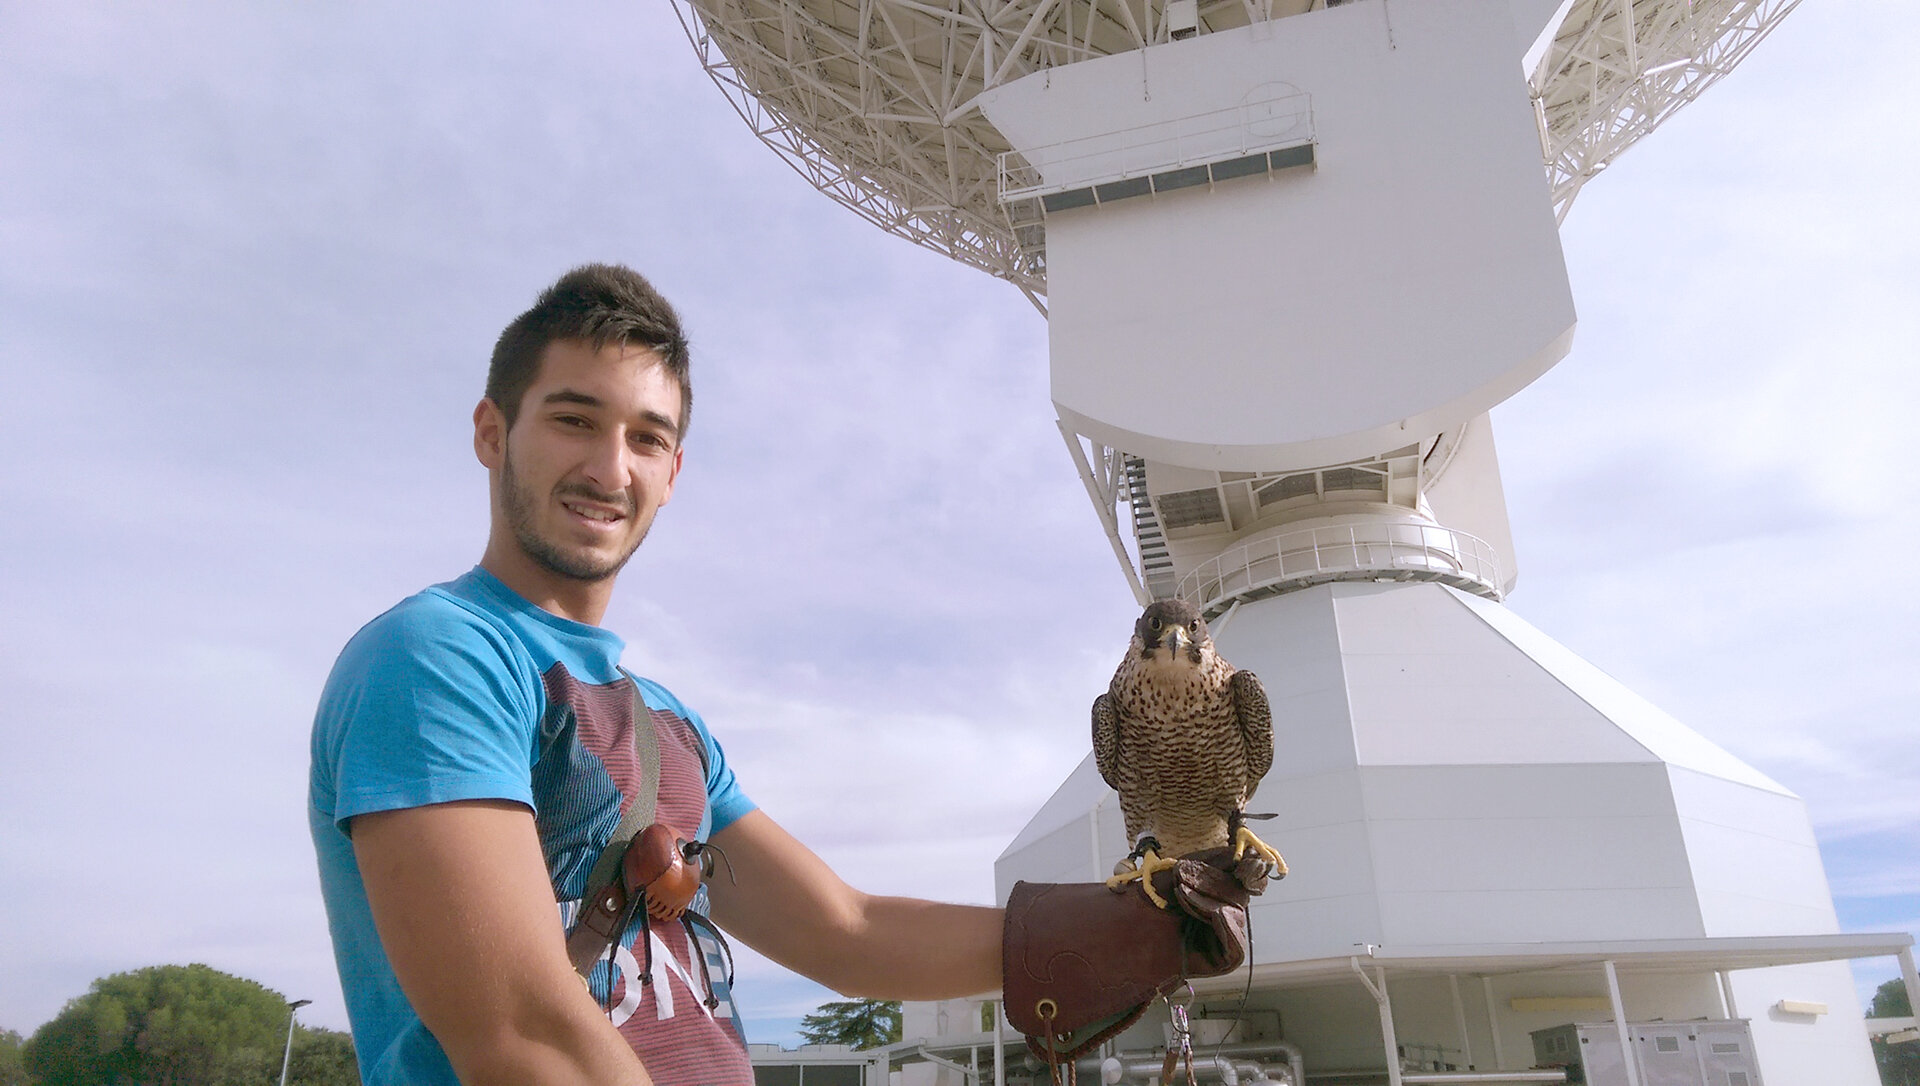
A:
253, 257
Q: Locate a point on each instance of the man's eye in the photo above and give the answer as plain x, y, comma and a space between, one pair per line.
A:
571, 420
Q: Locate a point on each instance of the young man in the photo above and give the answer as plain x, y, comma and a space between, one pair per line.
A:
474, 749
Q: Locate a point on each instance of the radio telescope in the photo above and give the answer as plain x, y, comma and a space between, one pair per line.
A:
1291, 253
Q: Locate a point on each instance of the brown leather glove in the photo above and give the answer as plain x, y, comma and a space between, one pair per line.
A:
1081, 962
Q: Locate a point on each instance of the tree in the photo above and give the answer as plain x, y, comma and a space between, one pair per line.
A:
13, 1067
1890, 1001
166, 1025
1899, 1063
323, 1057
862, 1023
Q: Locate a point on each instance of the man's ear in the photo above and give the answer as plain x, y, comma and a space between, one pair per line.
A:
679, 456
489, 433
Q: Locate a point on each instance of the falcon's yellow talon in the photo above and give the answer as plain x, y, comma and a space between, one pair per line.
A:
1149, 865
1244, 840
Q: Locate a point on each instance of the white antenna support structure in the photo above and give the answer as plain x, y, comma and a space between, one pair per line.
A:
1292, 254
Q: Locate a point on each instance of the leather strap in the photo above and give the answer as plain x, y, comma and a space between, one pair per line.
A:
604, 908
639, 814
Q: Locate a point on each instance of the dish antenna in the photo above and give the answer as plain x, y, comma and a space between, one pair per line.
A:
1291, 253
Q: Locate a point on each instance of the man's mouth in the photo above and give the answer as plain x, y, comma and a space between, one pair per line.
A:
599, 513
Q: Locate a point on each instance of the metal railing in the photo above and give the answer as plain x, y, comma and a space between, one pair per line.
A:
1381, 550
1267, 124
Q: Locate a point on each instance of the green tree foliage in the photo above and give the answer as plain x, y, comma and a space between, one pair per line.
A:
1899, 1063
166, 1025
862, 1023
13, 1066
1890, 1001
322, 1057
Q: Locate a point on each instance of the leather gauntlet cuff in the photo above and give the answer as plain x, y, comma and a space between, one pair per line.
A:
1080, 962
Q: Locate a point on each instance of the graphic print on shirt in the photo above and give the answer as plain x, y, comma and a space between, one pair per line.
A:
585, 773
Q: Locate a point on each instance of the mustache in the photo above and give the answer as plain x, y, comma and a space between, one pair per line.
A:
576, 490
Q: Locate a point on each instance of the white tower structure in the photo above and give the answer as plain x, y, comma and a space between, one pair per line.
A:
1291, 253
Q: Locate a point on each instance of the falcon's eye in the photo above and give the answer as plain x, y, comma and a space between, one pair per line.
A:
1154, 622
1194, 625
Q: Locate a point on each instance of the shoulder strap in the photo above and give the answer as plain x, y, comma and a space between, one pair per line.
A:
603, 910
639, 813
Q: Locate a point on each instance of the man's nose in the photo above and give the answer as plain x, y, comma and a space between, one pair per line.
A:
607, 465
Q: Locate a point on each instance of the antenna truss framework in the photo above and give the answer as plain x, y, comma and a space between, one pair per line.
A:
875, 102
1616, 69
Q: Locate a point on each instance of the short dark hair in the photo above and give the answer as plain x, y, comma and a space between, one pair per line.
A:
602, 305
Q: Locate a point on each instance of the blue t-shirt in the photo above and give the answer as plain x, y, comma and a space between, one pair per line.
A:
467, 691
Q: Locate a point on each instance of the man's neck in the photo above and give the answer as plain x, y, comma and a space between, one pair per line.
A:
579, 601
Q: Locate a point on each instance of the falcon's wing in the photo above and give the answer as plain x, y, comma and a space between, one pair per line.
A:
1106, 740
1256, 724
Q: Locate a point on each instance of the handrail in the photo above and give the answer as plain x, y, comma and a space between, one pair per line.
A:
1267, 124
1372, 550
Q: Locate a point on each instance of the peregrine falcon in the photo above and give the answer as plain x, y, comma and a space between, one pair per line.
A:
1183, 738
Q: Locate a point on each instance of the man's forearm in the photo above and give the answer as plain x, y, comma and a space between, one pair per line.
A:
785, 902
921, 950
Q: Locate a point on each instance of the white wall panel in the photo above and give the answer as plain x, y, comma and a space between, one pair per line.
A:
1318, 927
1323, 799
1312, 734
1328, 860
1820, 1051
1575, 791
1538, 853
1533, 916
1401, 619
1739, 805
1754, 885
1291, 641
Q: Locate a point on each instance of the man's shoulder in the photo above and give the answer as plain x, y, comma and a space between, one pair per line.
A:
439, 633
436, 613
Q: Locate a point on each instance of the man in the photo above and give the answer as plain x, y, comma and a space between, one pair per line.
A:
474, 749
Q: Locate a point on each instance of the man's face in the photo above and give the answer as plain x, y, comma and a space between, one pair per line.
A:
590, 459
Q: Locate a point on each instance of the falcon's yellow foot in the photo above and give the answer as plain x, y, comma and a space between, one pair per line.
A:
1149, 864
1244, 841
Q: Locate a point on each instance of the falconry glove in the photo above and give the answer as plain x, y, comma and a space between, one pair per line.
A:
1081, 962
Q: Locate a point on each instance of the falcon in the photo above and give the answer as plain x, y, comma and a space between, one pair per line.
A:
1184, 738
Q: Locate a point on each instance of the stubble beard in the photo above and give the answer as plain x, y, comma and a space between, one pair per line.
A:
519, 504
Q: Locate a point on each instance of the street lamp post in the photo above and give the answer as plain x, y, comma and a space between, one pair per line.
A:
287, 1056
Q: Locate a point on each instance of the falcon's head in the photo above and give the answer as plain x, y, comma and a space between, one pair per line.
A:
1173, 626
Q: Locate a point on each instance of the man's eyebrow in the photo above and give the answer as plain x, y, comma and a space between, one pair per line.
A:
567, 395
671, 426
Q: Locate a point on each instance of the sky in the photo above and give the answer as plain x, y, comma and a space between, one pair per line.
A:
252, 262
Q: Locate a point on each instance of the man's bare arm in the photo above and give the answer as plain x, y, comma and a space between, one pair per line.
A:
789, 905
466, 915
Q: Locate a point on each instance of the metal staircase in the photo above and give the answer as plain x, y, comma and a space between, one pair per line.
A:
1156, 565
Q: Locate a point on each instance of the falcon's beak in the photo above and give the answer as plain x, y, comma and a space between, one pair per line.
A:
1176, 641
